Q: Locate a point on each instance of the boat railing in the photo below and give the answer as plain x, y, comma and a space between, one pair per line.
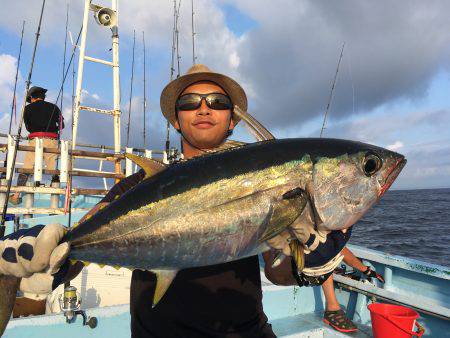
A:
66, 168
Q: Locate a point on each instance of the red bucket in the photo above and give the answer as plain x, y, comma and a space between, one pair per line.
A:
394, 321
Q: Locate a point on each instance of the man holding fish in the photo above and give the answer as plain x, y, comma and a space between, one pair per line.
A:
198, 225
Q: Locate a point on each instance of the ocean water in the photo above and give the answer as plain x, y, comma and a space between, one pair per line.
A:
410, 223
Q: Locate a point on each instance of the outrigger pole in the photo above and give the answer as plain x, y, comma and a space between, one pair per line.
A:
19, 131
332, 90
13, 102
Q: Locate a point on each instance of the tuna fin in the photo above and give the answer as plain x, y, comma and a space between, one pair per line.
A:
255, 128
163, 280
150, 166
8, 291
297, 254
285, 212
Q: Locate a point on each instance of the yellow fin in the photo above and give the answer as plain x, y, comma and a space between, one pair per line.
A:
85, 263
73, 261
101, 265
298, 254
150, 166
117, 267
163, 280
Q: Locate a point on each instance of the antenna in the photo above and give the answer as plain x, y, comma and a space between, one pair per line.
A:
145, 97
193, 33
131, 88
332, 90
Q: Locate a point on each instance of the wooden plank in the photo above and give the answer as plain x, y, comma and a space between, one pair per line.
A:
73, 173
41, 211
75, 153
35, 190
88, 191
50, 190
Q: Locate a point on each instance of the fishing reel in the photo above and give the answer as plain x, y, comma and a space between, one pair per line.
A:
70, 304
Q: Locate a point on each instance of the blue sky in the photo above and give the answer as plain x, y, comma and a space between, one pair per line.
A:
392, 90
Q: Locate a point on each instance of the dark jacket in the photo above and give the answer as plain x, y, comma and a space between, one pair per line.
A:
42, 116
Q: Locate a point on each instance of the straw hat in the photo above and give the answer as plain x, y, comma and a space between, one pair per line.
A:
198, 73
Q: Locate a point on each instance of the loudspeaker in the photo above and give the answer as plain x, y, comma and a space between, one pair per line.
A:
106, 17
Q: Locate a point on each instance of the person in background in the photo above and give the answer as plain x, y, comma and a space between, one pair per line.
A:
334, 315
43, 120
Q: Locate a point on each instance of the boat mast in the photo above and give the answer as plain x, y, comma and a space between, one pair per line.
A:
332, 90
107, 17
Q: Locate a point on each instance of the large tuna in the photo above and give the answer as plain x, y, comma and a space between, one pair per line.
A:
224, 206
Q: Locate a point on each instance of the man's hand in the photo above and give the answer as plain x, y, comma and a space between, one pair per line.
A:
34, 255
373, 274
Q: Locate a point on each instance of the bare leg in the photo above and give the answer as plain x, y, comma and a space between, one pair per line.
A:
331, 303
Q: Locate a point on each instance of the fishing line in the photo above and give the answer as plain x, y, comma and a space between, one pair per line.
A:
332, 90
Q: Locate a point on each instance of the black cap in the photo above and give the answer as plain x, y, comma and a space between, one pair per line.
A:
35, 92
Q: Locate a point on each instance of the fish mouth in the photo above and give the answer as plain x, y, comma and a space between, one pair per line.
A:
392, 175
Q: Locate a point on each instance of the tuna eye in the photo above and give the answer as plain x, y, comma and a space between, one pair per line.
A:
372, 163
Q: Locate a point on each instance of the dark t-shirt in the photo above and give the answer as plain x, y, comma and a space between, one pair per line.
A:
42, 116
223, 300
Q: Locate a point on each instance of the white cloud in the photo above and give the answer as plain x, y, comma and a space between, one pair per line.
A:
395, 146
8, 64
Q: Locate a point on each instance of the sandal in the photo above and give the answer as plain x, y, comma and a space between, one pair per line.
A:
339, 321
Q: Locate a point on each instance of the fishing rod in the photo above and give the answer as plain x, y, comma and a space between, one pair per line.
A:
62, 86
14, 103
131, 88
65, 76
193, 33
332, 90
64, 64
172, 70
19, 131
177, 39
144, 102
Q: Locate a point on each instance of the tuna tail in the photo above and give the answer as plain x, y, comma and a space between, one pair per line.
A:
8, 291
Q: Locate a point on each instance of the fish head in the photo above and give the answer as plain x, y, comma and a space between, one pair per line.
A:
346, 185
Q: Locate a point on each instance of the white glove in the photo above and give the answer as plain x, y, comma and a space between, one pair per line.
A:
34, 255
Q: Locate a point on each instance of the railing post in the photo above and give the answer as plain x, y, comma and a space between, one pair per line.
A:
38, 159
148, 153
54, 198
128, 163
165, 158
11, 147
64, 161
2, 194
28, 200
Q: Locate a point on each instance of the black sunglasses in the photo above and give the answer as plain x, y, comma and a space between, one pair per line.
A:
216, 101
